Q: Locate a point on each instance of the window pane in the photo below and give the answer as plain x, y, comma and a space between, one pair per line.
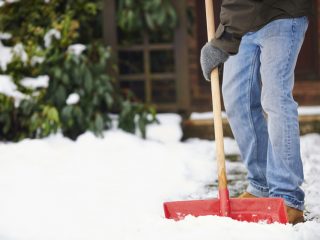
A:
163, 91
137, 87
162, 61
130, 62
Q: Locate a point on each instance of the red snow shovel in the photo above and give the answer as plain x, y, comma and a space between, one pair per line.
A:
243, 209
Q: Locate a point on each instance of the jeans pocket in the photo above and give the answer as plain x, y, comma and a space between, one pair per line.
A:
278, 27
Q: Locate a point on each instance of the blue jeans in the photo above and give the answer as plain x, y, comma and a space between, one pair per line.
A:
257, 92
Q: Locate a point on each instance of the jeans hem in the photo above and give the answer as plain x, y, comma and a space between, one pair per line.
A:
290, 201
257, 191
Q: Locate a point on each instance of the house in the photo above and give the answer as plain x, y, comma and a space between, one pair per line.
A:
167, 72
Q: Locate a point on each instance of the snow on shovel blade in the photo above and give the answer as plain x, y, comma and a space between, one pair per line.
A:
269, 210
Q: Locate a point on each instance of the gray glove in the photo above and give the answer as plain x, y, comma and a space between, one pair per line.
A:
210, 58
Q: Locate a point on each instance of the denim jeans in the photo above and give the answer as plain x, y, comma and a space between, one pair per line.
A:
257, 92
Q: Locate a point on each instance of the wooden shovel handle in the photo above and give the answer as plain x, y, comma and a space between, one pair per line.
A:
216, 103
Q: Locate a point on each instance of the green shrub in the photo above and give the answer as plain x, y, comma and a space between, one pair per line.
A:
42, 34
151, 15
30, 119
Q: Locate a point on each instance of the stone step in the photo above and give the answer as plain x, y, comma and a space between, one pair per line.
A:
203, 128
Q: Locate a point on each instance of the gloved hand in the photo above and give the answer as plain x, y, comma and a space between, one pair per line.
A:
210, 58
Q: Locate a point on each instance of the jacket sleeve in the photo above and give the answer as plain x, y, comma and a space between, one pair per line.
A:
226, 40
236, 18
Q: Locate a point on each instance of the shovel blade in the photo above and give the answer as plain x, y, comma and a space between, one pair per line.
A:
269, 210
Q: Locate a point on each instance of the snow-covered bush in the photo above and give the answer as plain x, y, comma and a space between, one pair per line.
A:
53, 72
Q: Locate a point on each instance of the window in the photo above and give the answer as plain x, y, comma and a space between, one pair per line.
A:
153, 66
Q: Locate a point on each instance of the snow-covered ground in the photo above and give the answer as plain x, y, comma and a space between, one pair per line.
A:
113, 188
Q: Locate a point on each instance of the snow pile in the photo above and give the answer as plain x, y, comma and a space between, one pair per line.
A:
76, 49
5, 36
2, 2
48, 37
9, 88
310, 150
309, 110
73, 98
169, 131
18, 50
36, 60
34, 83
7, 53
205, 115
5, 56
113, 188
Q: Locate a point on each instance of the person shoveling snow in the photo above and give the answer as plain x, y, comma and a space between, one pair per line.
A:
259, 41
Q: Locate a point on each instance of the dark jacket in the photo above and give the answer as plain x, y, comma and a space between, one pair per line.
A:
238, 17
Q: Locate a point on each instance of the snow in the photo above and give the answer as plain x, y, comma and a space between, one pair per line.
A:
8, 88
49, 36
7, 53
168, 132
5, 56
114, 187
18, 50
5, 36
2, 2
309, 110
76, 49
34, 83
73, 98
303, 110
310, 150
36, 59
205, 115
